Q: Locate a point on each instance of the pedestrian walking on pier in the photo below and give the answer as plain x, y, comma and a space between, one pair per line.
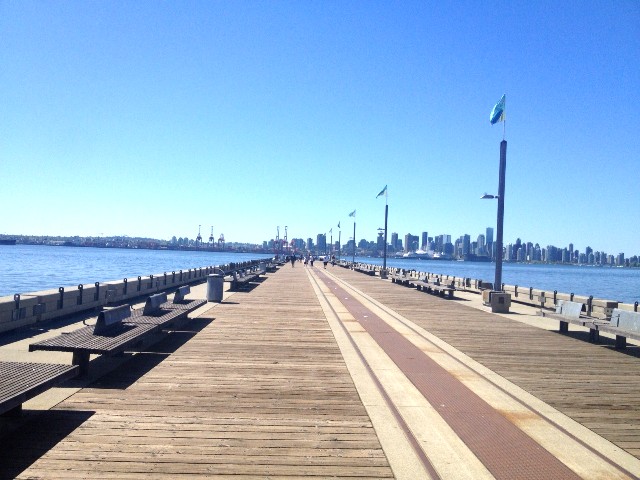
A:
293, 261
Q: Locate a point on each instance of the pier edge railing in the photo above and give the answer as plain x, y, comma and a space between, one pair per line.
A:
25, 309
544, 299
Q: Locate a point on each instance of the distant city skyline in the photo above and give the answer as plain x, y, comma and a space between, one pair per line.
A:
517, 250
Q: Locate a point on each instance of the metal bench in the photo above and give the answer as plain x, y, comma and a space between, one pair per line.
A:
571, 312
366, 269
243, 276
21, 381
180, 302
623, 324
115, 331
437, 288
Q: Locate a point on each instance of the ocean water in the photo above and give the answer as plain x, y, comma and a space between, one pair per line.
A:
32, 268
610, 283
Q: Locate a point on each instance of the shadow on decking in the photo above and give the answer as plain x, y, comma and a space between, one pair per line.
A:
146, 360
39, 433
603, 342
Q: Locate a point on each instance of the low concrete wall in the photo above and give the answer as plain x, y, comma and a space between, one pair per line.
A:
22, 310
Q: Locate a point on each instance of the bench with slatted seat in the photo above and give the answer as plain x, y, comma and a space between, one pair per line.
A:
113, 333
21, 381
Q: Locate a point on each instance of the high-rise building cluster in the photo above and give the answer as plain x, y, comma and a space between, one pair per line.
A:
482, 248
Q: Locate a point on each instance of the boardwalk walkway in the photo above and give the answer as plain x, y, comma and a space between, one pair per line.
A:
334, 374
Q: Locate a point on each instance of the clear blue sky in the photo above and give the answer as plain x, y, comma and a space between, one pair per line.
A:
149, 118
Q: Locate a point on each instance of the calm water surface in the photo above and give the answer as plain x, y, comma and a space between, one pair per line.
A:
31, 268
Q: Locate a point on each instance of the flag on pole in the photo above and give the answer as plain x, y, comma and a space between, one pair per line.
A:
382, 192
331, 230
352, 214
338, 224
497, 114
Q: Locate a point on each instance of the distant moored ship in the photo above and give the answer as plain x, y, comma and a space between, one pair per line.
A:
7, 241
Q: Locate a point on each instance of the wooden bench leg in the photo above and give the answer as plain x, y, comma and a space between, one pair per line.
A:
594, 335
81, 359
564, 327
621, 342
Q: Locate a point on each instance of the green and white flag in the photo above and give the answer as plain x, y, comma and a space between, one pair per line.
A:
352, 214
382, 192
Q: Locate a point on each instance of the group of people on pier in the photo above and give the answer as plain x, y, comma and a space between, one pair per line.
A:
309, 259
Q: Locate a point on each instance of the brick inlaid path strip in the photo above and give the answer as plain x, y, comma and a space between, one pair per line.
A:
491, 435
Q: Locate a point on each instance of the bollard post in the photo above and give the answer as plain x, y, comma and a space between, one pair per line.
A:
79, 300
139, 283
61, 299
124, 290
96, 296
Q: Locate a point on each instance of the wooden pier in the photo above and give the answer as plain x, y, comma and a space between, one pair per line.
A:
335, 374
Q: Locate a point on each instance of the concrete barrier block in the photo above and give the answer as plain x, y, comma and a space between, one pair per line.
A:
12, 311
7, 304
113, 291
628, 307
603, 308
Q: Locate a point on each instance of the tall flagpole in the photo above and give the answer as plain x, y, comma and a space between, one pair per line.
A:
339, 243
353, 260
386, 216
331, 249
501, 179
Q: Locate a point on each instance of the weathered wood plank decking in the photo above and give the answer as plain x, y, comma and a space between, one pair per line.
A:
261, 390
258, 387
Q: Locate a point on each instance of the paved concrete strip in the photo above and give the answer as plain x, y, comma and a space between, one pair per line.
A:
574, 452
401, 456
585, 452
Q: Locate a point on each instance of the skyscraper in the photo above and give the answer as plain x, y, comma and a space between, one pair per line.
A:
489, 240
394, 241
